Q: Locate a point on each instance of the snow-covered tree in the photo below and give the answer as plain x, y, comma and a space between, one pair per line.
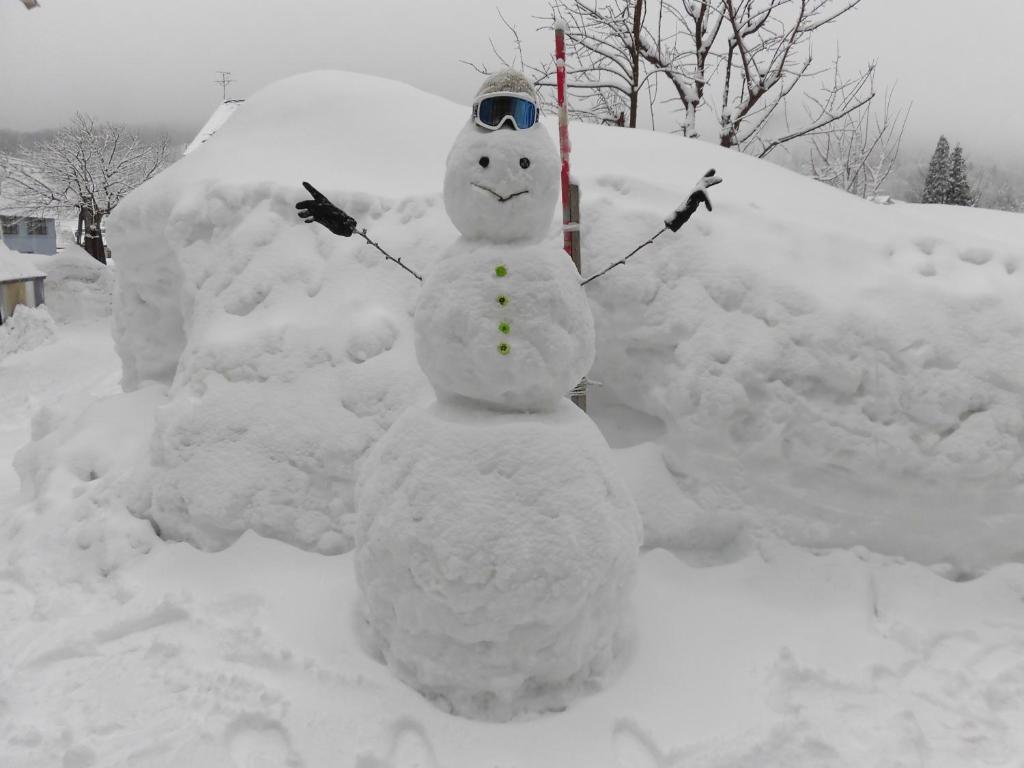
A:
607, 69
959, 189
860, 151
936, 183
87, 167
767, 54
754, 52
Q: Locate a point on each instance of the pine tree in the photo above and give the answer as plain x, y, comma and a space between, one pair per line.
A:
936, 183
959, 190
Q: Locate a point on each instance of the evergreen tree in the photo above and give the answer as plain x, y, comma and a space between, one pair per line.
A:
959, 190
936, 183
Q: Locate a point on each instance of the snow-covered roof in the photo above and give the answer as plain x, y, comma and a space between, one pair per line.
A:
220, 116
16, 266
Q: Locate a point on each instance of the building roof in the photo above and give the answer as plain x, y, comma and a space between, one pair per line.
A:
220, 116
16, 266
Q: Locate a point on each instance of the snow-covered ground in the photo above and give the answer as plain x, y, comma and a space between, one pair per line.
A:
818, 404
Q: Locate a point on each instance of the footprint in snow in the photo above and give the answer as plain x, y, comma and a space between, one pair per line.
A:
410, 748
255, 741
634, 748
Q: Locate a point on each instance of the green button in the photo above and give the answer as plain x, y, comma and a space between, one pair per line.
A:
503, 300
504, 348
501, 270
504, 327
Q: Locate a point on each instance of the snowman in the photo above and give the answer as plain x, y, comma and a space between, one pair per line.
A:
496, 544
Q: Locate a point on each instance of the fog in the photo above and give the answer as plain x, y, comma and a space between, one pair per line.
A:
155, 61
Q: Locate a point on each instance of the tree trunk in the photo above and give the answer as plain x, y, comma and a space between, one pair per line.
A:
80, 231
634, 90
93, 236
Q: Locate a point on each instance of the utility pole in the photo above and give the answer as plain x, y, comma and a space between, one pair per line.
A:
224, 81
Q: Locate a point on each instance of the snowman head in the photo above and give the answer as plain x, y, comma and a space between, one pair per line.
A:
501, 181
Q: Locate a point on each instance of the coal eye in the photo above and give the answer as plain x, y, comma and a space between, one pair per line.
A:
485, 161
524, 162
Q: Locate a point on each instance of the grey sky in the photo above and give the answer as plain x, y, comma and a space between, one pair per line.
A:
154, 61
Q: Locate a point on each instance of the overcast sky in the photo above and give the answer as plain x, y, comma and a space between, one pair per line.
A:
154, 61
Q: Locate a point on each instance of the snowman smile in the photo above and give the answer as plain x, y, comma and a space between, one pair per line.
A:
500, 198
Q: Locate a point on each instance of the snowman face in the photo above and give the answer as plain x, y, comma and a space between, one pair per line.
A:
502, 185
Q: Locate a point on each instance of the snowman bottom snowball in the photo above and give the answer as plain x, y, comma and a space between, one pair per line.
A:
496, 553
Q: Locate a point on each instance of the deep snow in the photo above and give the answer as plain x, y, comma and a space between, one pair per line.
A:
796, 371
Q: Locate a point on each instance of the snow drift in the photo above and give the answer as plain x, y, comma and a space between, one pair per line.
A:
26, 329
77, 286
832, 370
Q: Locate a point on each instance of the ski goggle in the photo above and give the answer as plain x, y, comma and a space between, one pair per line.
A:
493, 110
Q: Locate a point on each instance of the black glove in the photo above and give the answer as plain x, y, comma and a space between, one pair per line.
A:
323, 211
697, 196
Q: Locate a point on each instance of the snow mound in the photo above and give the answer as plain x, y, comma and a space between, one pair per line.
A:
83, 469
829, 370
77, 286
287, 351
26, 329
495, 547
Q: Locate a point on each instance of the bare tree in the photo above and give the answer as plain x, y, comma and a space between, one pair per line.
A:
755, 51
87, 167
605, 68
858, 152
767, 55
699, 24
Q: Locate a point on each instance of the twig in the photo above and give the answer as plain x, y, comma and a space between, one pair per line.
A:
388, 256
625, 258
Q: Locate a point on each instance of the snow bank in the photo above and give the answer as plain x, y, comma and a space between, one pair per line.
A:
831, 370
288, 351
842, 373
77, 286
27, 328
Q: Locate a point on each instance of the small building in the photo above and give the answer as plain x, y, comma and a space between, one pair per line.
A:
26, 231
29, 234
21, 282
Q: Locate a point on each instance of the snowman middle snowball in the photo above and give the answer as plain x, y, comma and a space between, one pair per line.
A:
502, 319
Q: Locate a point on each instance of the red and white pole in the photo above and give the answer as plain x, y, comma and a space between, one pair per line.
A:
570, 191
563, 133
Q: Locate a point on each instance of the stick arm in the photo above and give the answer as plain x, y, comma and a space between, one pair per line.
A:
322, 211
674, 221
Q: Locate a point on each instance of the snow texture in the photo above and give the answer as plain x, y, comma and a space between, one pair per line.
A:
507, 325
77, 286
490, 195
27, 328
496, 553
